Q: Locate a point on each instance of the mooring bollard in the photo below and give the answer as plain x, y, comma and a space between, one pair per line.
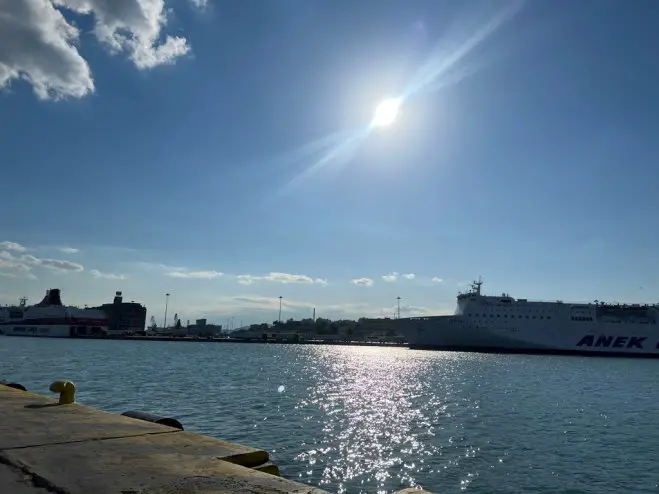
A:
66, 390
150, 417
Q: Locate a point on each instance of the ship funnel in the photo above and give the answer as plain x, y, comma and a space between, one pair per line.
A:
52, 298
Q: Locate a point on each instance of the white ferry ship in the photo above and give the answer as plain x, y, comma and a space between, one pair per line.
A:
503, 324
49, 318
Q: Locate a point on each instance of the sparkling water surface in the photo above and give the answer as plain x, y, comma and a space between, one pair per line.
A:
374, 420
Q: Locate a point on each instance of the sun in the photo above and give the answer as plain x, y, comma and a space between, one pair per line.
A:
386, 112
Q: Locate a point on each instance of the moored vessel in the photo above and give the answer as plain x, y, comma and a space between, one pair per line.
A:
50, 318
503, 324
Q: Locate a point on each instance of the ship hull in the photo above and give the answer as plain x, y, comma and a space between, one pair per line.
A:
52, 331
455, 333
534, 351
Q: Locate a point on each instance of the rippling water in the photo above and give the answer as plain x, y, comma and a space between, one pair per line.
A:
359, 419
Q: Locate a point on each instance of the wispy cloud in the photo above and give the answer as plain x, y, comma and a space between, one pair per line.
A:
243, 279
199, 4
181, 272
248, 279
13, 246
13, 264
60, 266
436, 279
393, 276
24, 263
362, 281
68, 250
107, 276
200, 275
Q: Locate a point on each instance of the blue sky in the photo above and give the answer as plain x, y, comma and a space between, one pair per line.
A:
222, 151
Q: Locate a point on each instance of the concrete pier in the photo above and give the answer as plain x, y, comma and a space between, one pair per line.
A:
73, 449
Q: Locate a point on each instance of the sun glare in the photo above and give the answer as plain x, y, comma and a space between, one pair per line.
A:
386, 112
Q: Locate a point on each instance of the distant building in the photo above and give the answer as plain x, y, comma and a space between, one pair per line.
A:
124, 317
202, 328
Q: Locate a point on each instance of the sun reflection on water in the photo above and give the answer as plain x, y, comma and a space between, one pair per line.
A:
379, 409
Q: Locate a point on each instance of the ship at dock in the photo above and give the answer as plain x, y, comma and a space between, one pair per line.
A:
50, 318
503, 324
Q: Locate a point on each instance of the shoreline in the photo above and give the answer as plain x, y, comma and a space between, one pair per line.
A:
226, 340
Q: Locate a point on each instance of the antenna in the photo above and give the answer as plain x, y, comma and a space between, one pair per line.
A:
477, 285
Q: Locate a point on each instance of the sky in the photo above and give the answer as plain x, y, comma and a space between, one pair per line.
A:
224, 152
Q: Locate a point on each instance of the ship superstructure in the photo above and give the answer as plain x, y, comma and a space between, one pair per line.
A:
505, 324
50, 318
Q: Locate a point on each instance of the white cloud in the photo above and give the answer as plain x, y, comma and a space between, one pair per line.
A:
180, 272
132, 26
12, 266
200, 4
409, 276
39, 45
68, 250
24, 263
391, 277
202, 275
362, 281
60, 266
16, 247
435, 279
248, 279
107, 276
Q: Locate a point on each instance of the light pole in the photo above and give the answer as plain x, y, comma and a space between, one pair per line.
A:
280, 297
164, 324
398, 298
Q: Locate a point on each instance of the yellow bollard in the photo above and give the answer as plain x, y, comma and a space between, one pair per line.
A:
66, 390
